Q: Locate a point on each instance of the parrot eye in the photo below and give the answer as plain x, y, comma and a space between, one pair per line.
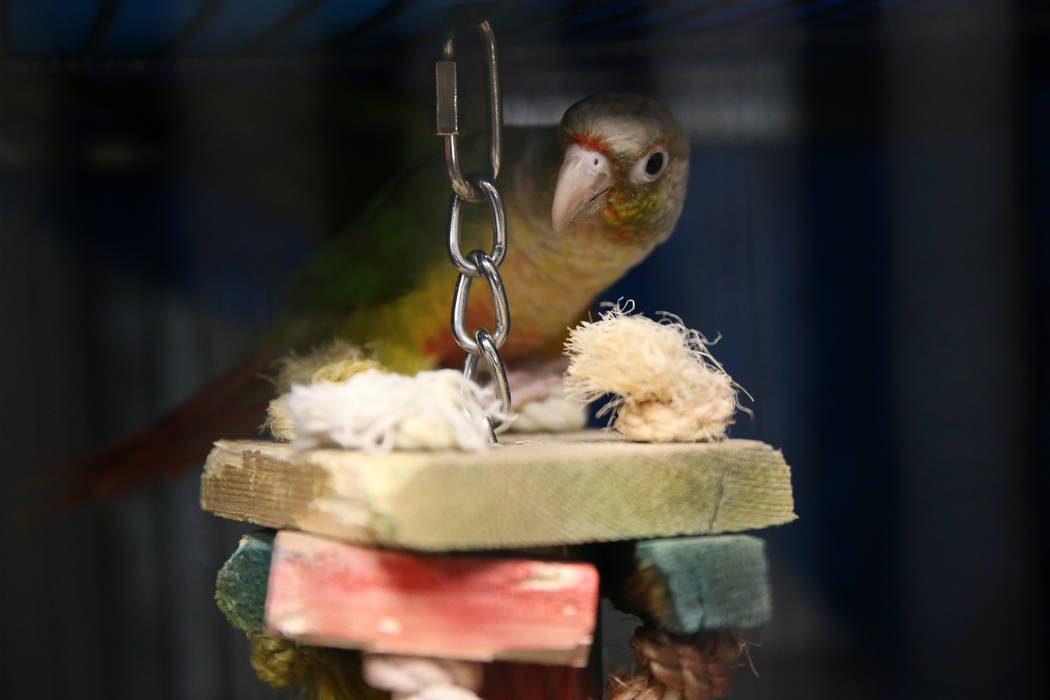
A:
654, 163
650, 166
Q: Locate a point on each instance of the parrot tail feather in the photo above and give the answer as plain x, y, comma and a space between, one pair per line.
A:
231, 406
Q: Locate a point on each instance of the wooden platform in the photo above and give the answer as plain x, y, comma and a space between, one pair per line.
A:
537, 490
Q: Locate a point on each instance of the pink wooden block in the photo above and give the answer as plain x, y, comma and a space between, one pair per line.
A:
463, 607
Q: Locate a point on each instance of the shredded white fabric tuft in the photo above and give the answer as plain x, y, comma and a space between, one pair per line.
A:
376, 410
421, 678
667, 384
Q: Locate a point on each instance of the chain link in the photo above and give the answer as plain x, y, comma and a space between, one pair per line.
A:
499, 228
496, 369
481, 344
499, 304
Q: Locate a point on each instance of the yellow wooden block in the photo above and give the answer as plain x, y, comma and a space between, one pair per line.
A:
530, 491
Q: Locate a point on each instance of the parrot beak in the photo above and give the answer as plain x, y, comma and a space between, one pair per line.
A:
583, 178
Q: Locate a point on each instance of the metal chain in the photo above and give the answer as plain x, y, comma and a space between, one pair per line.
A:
475, 187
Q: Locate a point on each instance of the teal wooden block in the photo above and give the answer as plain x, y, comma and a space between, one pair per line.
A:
240, 588
688, 584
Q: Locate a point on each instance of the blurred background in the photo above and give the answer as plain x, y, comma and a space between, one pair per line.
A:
866, 227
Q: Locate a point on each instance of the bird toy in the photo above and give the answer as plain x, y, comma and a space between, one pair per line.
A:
416, 547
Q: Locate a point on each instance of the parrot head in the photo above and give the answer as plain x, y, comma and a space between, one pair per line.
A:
624, 170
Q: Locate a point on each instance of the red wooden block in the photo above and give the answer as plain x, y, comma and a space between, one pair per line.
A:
462, 607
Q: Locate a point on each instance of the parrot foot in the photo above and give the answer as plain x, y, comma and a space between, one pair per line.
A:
540, 401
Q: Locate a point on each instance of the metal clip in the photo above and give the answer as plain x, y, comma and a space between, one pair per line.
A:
447, 112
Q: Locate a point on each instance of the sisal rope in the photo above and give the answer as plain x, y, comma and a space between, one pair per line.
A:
672, 667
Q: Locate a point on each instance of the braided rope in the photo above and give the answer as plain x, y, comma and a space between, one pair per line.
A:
672, 667
420, 678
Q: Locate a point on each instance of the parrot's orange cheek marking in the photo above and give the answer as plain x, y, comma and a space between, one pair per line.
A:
614, 218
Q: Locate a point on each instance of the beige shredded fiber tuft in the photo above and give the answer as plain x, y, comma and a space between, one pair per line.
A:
333, 362
667, 384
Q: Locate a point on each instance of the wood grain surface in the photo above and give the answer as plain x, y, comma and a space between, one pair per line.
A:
539, 490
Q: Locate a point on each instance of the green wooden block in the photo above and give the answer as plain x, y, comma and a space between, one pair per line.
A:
685, 585
240, 588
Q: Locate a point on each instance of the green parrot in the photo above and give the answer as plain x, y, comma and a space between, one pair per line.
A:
585, 202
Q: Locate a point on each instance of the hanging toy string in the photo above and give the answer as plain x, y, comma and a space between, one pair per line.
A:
475, 188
